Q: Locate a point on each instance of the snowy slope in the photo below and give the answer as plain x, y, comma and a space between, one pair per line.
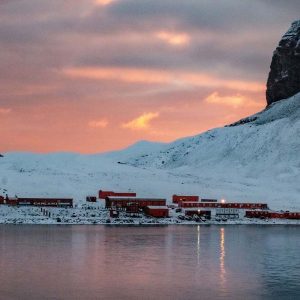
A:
141, 148
263, 150
255, 159
260, 142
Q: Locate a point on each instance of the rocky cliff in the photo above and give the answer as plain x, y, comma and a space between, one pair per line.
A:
284, 76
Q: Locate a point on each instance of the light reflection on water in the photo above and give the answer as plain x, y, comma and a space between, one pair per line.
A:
166, 262
222, 259
198, 244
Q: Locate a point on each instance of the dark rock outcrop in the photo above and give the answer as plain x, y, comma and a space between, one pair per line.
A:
284, 76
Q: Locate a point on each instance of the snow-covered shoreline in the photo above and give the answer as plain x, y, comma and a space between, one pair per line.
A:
100, 216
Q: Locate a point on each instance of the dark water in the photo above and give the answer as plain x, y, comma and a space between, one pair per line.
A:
172, 262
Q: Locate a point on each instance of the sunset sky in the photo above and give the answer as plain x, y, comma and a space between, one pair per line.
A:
97, 75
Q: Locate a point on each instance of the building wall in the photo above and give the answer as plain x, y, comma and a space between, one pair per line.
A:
158, 213
104, 194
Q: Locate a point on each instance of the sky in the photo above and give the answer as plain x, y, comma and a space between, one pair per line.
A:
97, 75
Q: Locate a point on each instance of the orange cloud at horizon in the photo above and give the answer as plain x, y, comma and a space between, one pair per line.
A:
51, 129
234, 101
110, 108
129, 75
119, 106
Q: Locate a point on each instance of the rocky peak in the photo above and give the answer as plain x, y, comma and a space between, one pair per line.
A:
284, 76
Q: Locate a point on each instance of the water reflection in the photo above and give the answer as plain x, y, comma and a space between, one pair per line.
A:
173, 262
222, 259
198, 244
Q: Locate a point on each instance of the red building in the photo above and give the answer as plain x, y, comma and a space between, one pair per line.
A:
124, 202
11, 201
2, 200
272, 215
223, 205
55, 202
104, 194
292, 215
257, 214
157, 211
177, 198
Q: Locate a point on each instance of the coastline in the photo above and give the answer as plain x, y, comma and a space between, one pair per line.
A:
98, 215
237, 223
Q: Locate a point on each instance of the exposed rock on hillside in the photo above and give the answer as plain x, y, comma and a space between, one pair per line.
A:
284, 76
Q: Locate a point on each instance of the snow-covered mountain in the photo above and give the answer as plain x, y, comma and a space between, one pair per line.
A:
140, 148
255, 159
261, 150
264, 142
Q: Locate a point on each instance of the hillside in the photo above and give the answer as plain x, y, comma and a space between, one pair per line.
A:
260, 142
261, 150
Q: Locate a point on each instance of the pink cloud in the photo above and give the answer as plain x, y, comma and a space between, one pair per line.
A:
234, 101
162, 77
173, 38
